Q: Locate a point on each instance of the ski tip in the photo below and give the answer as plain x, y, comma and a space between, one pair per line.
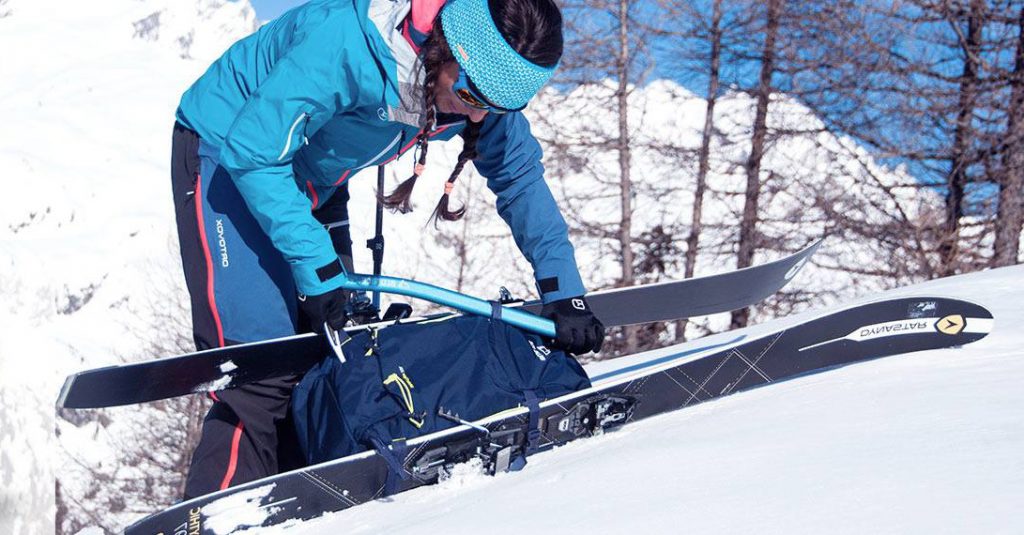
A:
802, 258
958, 318
810, 250
80, 390
64, 391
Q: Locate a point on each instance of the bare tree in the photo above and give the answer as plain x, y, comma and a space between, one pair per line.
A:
1010, 218
677, 28
26, 472
607, 55
147, 447
704, 157
749, 221
925, 86
624, 149
961, 153
476, 249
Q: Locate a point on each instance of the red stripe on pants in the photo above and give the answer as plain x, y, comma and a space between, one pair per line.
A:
209, 261
233, 460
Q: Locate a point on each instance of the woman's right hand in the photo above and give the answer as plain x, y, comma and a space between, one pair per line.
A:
327, 309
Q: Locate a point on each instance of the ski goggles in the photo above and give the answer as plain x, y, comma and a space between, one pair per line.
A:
471, 96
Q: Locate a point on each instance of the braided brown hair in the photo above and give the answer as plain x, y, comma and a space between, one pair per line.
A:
434, 54
469, 138
534, 29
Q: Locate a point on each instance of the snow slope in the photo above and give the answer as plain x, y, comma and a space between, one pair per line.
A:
86, 225
928, 442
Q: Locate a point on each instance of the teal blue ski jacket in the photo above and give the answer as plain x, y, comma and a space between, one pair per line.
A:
330, 88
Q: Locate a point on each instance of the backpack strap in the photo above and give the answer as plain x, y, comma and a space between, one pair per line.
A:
532, 431
393, 456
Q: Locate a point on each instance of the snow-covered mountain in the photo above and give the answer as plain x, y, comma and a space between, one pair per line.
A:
87, 243
87, 96
200, 29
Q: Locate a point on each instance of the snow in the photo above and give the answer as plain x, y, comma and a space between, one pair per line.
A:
217, 384
88, 264
239, 511
927, 442
85, 219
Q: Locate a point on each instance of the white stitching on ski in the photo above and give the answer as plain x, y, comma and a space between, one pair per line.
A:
758, 360
328, 487
753, 366
687, 390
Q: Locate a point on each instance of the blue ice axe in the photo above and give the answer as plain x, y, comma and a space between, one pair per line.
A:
445, 297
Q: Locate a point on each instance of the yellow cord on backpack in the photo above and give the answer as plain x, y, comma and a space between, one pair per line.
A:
405, 386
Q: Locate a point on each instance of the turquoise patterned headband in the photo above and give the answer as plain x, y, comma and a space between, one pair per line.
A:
503, 76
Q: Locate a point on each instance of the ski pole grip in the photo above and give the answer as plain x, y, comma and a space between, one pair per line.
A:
449, 298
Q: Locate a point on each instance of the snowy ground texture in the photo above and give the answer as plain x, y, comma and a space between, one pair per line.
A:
928, 442
87, 241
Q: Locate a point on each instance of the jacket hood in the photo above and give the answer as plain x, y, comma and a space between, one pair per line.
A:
398, 60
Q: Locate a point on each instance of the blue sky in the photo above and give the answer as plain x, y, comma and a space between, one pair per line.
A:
269, 9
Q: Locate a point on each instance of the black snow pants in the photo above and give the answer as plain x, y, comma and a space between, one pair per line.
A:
241, 291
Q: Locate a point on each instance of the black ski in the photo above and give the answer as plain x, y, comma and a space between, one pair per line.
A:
233, 366
672, 379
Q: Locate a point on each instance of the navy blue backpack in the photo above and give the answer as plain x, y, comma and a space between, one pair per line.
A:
396, 380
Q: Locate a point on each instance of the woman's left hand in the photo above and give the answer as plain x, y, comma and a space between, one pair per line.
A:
577, 330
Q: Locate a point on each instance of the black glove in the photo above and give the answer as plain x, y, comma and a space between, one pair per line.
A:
327, 308
577, 330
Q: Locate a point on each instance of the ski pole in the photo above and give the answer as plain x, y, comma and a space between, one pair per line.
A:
376, 244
